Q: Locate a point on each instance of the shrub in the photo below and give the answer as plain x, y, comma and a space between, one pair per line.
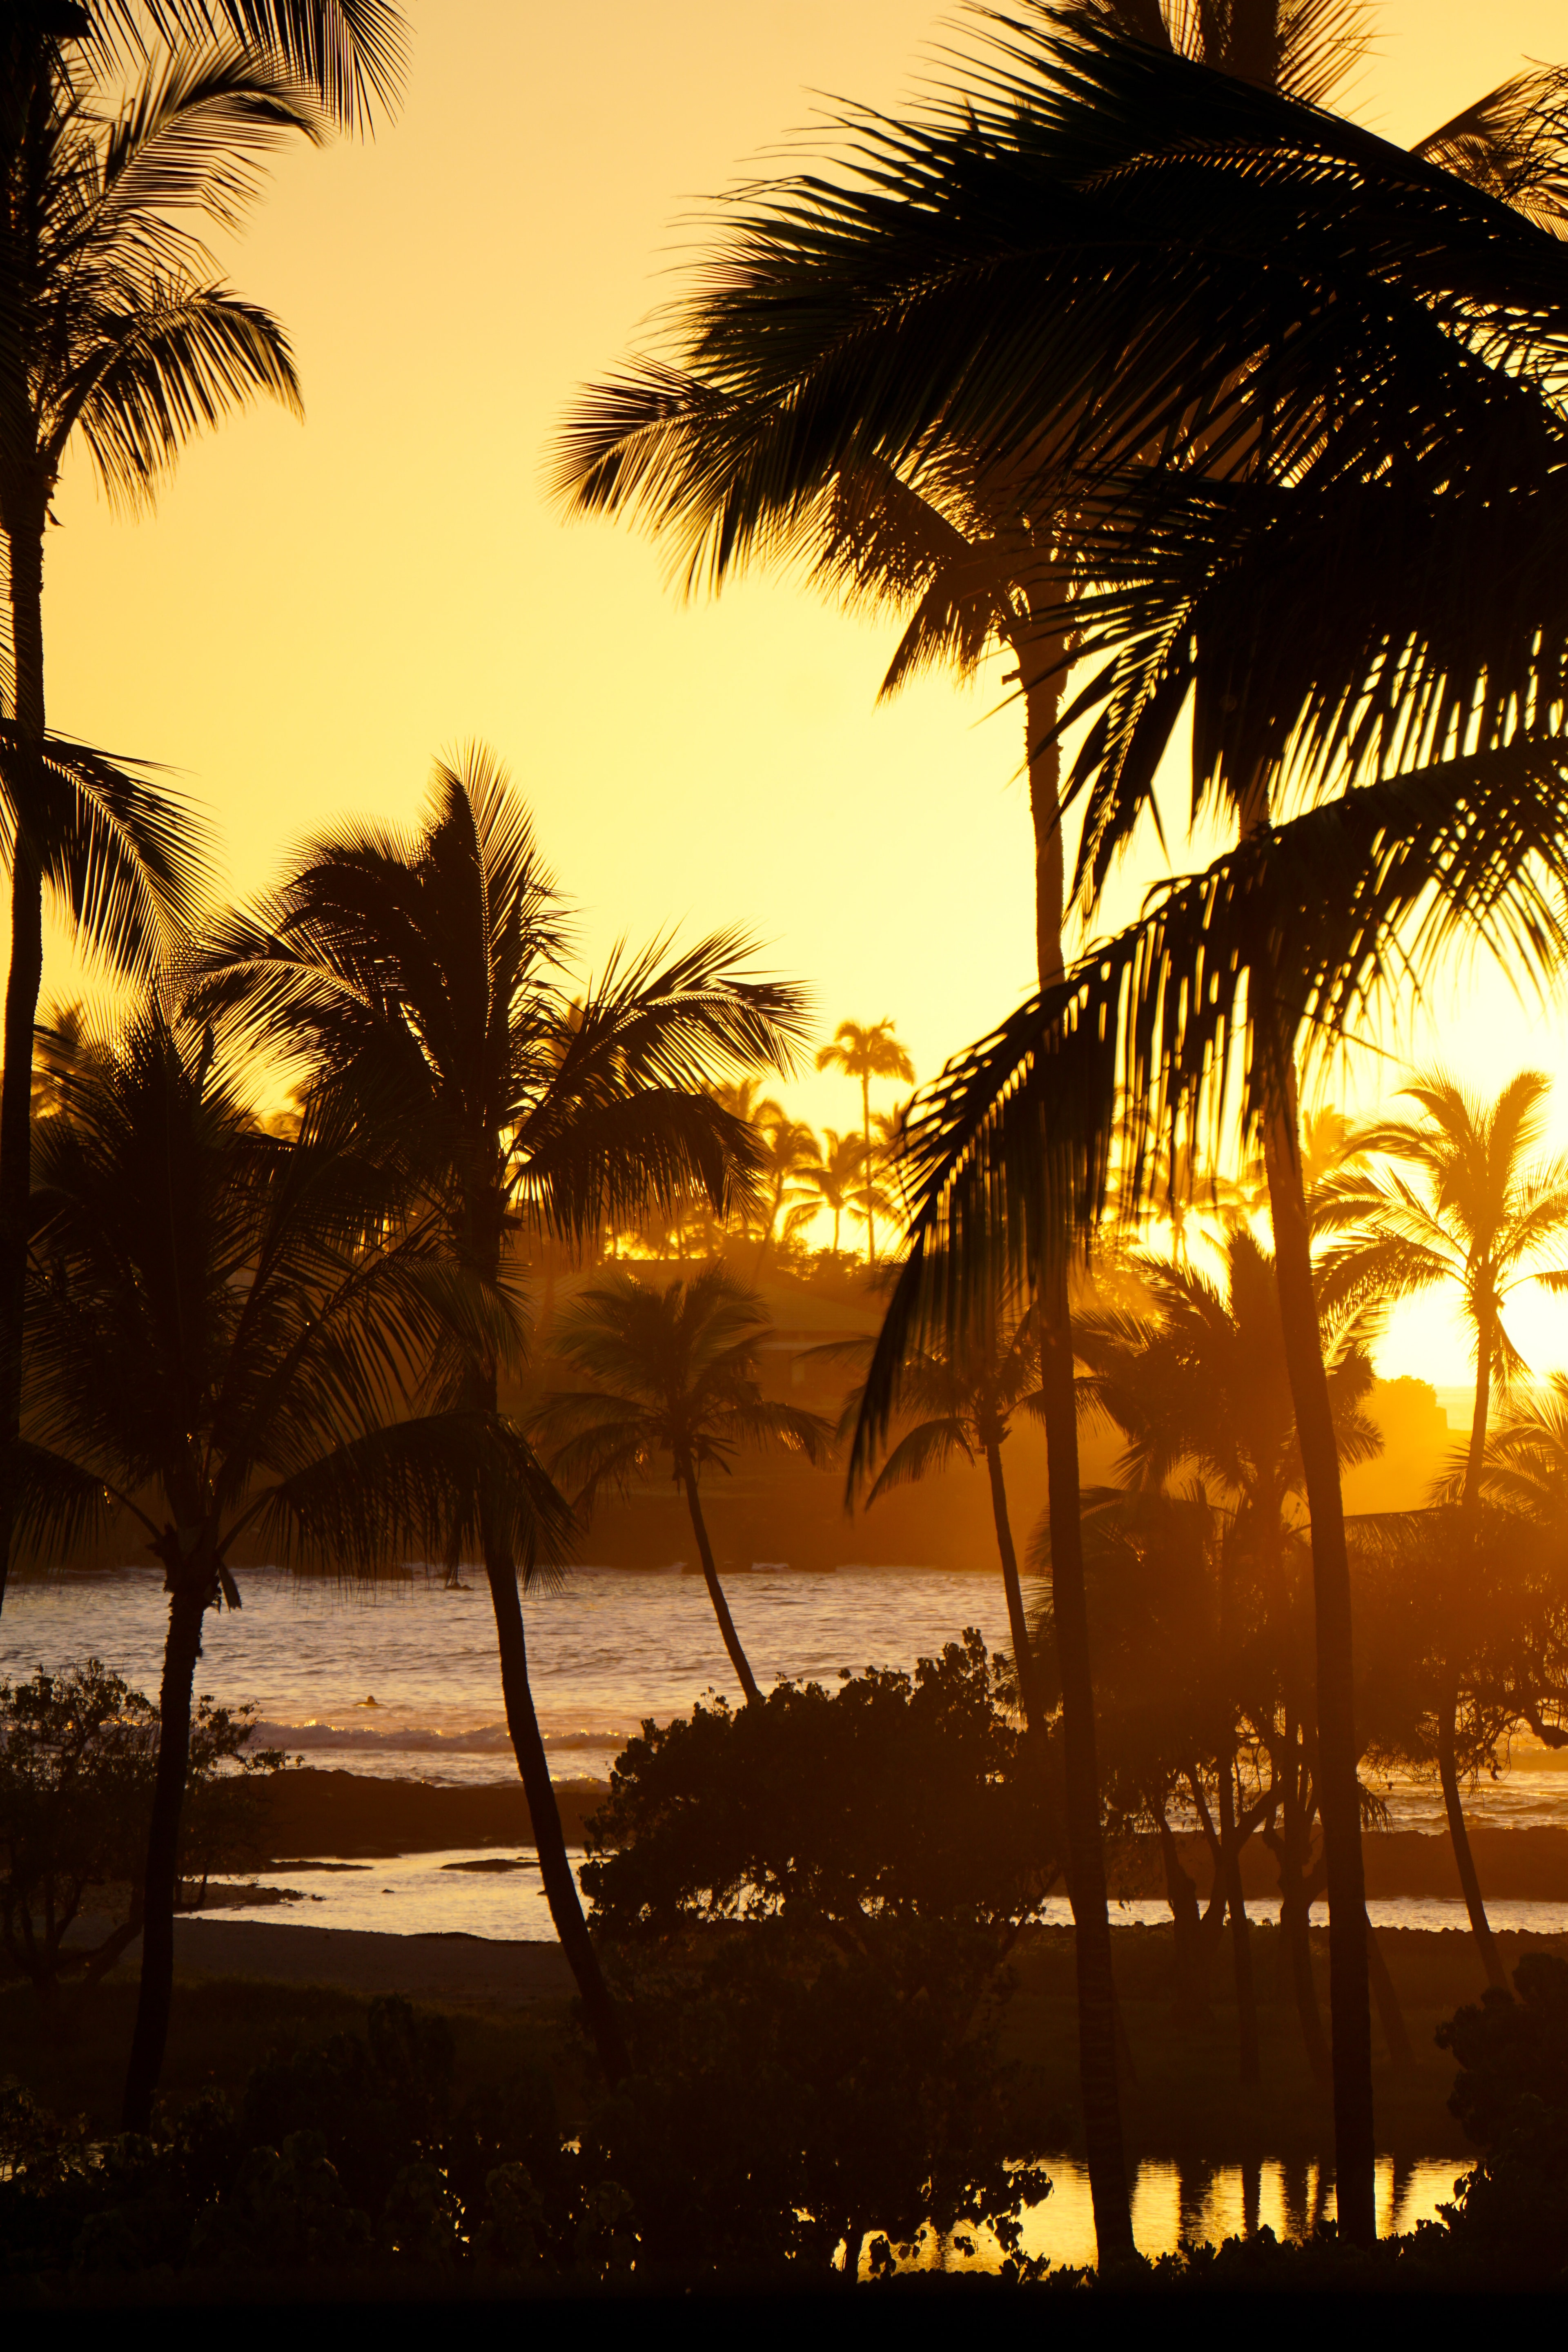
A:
896, 1796
77, 1752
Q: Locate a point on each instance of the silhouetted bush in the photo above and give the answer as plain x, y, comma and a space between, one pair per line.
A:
895, 1796
1512, 2095
790, 2099
78, 1755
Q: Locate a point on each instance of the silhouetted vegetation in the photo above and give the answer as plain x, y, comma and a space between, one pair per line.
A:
78, 1763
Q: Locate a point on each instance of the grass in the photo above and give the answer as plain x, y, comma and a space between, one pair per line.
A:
223, 2026
1184, 2095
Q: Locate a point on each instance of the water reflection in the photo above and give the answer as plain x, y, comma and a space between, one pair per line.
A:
1192, 2202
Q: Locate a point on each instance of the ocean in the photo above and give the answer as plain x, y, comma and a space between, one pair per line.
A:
400, 1679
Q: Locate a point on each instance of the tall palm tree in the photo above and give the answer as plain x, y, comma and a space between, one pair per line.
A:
835, 1178
117, 336
675, 1375
1097, 256
899, 372
217, 1354
426, 967
866, 1050
1478, 1213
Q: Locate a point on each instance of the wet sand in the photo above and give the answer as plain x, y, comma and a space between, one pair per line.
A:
360, 1816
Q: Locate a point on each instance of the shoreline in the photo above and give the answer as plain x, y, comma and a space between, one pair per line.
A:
314, 1812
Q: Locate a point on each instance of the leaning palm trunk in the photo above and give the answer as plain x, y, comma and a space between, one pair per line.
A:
1448, 1698
534, 1766
1095, 1985
687, 1473
22, 986
1086, 1852
1017, 1623
1339, 1795
191, 1585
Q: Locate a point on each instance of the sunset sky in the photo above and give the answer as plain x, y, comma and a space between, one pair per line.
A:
315, 611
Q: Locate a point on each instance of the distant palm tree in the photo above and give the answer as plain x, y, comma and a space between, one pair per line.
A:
833, 1177
426, 967
216, 1353
675, 1374
1477, 1212
868, 1052
788, 1149
963, 1403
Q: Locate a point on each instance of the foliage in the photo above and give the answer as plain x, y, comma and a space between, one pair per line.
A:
896, 1797
1512, 2095
789, 2103
353, 2152
77, 1753
675, 1374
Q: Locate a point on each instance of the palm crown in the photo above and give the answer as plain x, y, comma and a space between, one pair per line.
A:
435, 961
674, 1374
1476, 1210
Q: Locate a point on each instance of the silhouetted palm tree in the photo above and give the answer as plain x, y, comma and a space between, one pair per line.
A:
116, 337
787, 1150
866, 1050
216, 1353
1096, 256
833, 1178
426, 966
1478, 1213
675, 1374
963, 1403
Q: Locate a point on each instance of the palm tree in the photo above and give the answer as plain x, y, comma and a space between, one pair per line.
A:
833, 1177
215, 1354
1477, 1212
426, 968
1199, 1386
116, 336
962, 1402
1099, 257
788, 1148
866, 1050
675, 1374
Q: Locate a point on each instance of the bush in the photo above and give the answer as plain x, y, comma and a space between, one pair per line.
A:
1512, 2095
78, 1755
896, 1796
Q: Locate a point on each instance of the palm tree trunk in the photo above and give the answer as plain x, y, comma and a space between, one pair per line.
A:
26, 976
182, 1648
1086, 1854
1240, 1932
1390, 2015
549, 1837
1042, 706
1448, 1701
1017, 1623
1189, 1990
1460, 1839
737, 1659
1349, 2004
1096, 1983
527, 1741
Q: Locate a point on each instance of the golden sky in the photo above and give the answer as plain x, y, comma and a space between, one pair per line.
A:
313, 611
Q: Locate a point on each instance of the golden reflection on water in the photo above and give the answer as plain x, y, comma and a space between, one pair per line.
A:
1188, 2203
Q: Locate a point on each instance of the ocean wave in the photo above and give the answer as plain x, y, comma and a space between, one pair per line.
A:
483, 1740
